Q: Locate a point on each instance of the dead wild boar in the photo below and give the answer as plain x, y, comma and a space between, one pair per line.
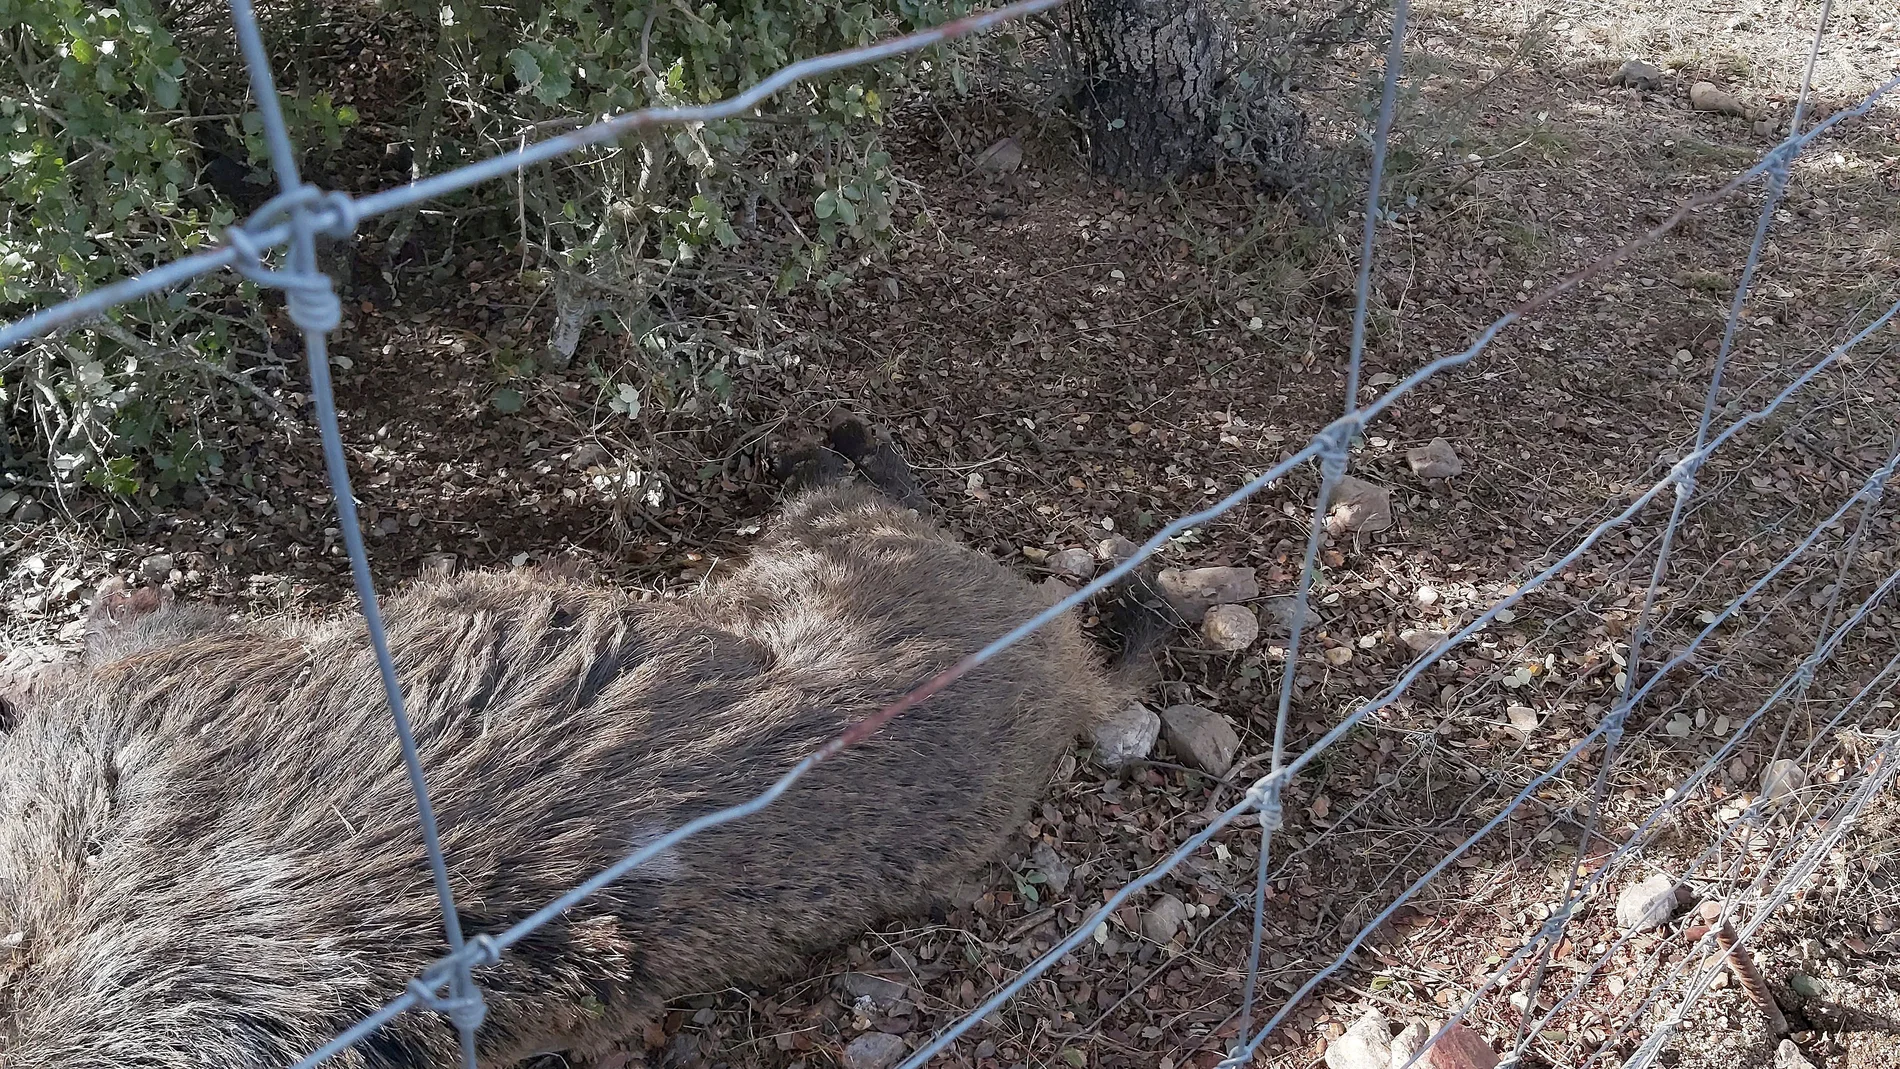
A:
209, 853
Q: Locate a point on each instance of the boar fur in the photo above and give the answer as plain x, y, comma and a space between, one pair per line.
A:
209, 854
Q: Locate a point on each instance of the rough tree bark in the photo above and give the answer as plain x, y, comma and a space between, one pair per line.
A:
1153, 71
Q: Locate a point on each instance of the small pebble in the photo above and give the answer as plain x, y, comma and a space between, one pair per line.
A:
1127, 736
1437, 460
1161, 920
1704, 96
1646, 905
1200, 737
1638, 74
1194, 591
1230, 627
1076, 564
1365, 1045
875, 1050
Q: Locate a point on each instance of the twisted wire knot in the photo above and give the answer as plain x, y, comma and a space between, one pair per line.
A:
1265, 795
314, 304
463, 1005
465, 1012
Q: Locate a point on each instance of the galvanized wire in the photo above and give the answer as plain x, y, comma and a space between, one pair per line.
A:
300, 212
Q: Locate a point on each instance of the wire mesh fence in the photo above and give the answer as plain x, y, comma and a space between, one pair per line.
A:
1768, 846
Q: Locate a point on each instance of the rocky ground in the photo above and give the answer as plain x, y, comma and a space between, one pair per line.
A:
1067, 364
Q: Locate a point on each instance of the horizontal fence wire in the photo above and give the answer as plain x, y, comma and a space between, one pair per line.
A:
300, 212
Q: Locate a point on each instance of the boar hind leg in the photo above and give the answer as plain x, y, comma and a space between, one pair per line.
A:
810, 466
875, 456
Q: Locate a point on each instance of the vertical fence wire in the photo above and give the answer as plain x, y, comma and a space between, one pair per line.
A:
1645, 616
300, 212
314, 309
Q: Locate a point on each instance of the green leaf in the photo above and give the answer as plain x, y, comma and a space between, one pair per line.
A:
507, 401
165, 92
527, 71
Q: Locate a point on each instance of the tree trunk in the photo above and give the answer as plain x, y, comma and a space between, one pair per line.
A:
1153, 71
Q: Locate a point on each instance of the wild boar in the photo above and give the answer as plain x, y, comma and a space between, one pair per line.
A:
209, 855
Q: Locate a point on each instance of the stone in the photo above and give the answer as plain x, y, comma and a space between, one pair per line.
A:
1408, 1042
1053, 590
1115, 549
157, 568
1367, 1044
1002, 157
1638, 74
1434, 460
1788, 1056
1781, 779
875, 1050
1192, 592
1230, 627
1460, 1048
1078, 564
1420, 640
880, 992
1646, 905
1055, 871
1200, 737
1160, 921
1338, 656
1278, 613
1704, 96
1358, 507
1127, 736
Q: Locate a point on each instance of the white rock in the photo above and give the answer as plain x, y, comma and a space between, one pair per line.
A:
1358, 506
1115, 549
1781, 779
157, 568
1127, 736
1788, 1056
1366, 1045
1192, 592
875, 1050
1072, 564
1646, 905
1408, 1042
1200, 737
1521, 717
1230, 627
1436, 460
1704, 96
1419, 640
1160, 921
